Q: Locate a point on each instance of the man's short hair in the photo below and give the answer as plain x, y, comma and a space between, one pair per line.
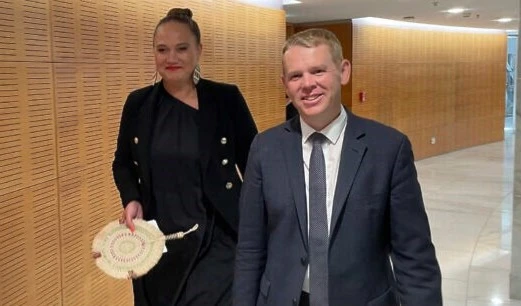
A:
313, 38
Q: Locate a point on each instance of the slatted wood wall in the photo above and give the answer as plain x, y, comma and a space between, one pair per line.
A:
428, 83
30, 254
66, 67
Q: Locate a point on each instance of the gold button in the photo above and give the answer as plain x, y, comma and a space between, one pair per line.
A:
229, 185
136, 140
224, 162
135, 163
224, 140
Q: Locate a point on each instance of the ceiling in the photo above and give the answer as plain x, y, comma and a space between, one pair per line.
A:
480, 14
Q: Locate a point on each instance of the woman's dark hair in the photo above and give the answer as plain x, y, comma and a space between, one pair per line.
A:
184, 16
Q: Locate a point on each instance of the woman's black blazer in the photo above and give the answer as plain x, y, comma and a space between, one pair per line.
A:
226, 132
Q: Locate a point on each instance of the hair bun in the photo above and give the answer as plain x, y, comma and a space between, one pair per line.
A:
180, 12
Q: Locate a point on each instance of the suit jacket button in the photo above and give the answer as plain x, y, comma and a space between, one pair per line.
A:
224, 162
139, 181
224, 140
135, 163
229, 185
295, 302
136, 140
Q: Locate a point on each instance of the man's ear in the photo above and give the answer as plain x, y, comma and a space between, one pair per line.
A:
345, 72
283, 81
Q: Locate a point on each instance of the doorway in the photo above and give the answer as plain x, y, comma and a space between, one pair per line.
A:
510, 92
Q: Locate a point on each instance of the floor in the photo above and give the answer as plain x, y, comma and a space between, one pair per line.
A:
468, 196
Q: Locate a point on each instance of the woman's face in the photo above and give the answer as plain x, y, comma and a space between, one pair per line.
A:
176, 52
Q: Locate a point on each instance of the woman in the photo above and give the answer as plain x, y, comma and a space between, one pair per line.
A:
182, 145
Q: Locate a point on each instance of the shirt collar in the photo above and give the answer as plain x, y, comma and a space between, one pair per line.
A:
332, 131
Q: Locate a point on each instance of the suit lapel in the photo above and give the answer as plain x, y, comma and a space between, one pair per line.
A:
208, 114
295, 168
353, 151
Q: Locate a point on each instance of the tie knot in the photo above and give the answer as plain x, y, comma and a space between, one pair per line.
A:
317, 138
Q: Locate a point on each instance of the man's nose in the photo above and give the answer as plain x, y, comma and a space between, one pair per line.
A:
308, 81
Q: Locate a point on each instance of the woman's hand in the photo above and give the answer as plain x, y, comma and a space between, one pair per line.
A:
132, 211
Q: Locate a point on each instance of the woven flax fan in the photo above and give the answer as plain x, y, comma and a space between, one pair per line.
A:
125, 254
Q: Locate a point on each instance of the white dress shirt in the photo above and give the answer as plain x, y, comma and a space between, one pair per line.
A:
332, 149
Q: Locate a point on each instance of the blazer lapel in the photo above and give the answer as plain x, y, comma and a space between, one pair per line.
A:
208, 114
353, 151
144, 130
295, 168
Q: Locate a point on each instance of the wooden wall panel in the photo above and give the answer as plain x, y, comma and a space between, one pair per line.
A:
377, 109
429, 92
30, 255
84, 211
28, 196
11, 176
24, 31
88, 100
444, 84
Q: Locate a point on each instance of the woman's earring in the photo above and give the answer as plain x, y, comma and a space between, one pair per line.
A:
197, 74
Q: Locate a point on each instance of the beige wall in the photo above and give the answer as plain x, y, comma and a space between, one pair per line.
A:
428, 83
66, 67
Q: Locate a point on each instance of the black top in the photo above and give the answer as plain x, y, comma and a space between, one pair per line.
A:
177, 189
175, 166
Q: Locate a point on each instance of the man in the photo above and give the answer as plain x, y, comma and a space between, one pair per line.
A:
322, 216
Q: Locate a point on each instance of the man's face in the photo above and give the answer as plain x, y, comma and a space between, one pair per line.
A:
313, 82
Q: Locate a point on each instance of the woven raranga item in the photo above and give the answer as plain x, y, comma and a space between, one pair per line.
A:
126, 254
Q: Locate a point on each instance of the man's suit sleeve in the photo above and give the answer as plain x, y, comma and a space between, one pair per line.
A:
251, 246
412, 252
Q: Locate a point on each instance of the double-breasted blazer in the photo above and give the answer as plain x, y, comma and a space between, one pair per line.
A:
226, 132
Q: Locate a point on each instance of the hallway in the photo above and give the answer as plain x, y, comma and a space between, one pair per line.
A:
468, 196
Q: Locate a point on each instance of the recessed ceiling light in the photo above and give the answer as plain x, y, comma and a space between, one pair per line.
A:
412, 25
497, 301
504, 20
290, 2
456, 10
